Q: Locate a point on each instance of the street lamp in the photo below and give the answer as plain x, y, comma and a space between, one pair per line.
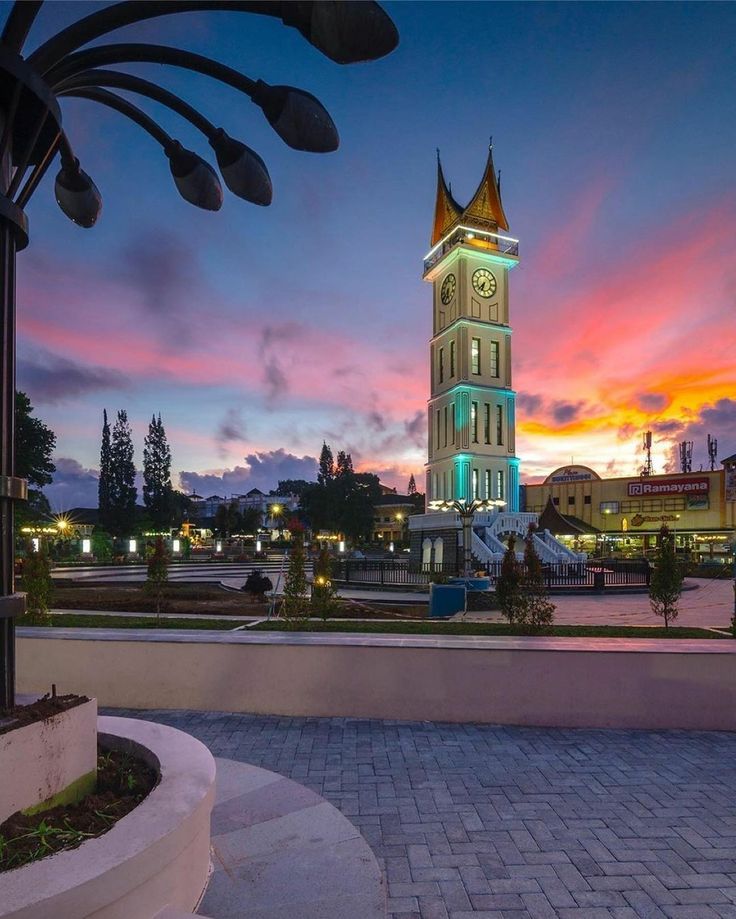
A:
31, 135
466, 511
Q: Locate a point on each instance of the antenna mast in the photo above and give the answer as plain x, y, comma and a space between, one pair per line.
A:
686, 456
712, 452
647, 443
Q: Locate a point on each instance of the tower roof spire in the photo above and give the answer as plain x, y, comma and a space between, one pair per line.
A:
485, 210
485, 205
446, 210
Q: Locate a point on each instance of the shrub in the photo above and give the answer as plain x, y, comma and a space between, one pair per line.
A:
158, 574
37, 585
324, 596
536, 611
665, 585
295, 605
508, 583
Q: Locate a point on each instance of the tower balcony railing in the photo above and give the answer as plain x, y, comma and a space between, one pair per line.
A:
477, 239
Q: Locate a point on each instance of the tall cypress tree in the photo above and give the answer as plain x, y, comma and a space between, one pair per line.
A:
412, 488
122, 479
104, 483
326, 466
157, 490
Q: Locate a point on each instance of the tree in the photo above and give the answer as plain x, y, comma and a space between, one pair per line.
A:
123, 492
227, 519
508, 583
158, 574
157, 490
288, 487
34, 444
665, 585
324, 595
412, 486
536, 611
251, 520
104, 484
37, 585
295, 606
326, 466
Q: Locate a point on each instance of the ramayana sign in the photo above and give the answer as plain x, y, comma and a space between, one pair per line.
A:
692, 486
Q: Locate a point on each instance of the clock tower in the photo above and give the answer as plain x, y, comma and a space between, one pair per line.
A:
471, 412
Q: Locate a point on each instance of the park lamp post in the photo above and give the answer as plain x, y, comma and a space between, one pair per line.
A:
31, 136
466, 510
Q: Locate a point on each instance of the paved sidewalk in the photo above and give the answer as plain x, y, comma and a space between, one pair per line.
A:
476, 822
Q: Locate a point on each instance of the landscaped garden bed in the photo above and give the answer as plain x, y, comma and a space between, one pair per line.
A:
123, 781
45, 707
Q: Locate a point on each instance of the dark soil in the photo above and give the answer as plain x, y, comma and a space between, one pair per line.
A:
122, 783
45, 707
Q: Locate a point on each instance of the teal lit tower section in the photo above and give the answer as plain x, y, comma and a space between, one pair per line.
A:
471, 410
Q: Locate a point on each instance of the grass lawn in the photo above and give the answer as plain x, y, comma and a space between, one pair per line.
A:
72, 621
433, 627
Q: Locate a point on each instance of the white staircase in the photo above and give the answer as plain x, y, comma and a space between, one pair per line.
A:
490, 540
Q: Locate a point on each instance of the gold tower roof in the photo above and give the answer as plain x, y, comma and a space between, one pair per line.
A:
485, 210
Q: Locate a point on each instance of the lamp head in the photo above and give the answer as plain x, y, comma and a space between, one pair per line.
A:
345, 32
77, 195
299, 119
243, 170
195, 179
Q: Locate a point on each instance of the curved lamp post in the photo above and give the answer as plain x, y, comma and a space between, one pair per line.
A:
31, 136
466, 510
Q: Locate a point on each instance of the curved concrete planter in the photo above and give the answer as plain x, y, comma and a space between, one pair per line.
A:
49, 762
155, 857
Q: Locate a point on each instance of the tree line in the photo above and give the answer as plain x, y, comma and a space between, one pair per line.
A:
117, 493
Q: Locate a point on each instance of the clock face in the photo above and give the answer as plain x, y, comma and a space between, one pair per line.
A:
484, 283
447, 291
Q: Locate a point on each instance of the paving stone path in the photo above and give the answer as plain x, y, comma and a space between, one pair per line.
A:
475, 822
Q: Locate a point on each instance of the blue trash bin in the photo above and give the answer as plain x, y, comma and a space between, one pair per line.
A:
473, 583
445, 600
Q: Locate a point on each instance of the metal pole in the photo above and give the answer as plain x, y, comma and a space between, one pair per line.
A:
7, 464
467, 519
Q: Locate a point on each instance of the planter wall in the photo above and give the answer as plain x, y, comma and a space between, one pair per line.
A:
49, 762
156, 857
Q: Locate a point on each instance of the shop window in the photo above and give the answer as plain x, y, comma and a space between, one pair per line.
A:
609, 506
571, 500
675, 504
651, 504
587, 499
556, 502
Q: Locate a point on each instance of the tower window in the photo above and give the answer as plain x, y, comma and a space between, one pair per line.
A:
487, 423
475, 355
442, 364
488, 484
571, 500
438, 429
494, 359
445, 413
452, 358
475, 484
474, 421
499, 484
499, 424
452, 423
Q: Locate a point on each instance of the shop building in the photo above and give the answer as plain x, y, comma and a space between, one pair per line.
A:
622, 516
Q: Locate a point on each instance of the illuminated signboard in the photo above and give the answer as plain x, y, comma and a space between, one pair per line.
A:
571, 474
699, 485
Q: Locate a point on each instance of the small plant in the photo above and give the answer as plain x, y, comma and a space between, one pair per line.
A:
508, 583
324, 595
37, 585
536, 611
295, 605
665, 585
158, 574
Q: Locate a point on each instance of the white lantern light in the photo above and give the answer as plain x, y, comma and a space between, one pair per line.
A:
132, 546
86, 547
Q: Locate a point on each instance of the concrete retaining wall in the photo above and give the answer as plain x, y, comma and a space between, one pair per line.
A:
556, 682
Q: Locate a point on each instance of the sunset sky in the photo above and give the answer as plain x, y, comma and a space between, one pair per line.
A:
258, 333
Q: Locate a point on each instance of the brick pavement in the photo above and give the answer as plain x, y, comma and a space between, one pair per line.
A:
476, 822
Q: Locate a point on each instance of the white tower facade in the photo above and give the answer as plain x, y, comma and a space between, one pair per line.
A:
471, 410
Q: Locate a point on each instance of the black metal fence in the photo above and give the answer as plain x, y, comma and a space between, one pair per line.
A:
594, 574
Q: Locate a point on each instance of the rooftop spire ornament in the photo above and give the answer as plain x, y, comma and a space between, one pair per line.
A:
31, 136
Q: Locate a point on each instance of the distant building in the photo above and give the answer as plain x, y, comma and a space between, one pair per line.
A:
390, 517
625, 513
